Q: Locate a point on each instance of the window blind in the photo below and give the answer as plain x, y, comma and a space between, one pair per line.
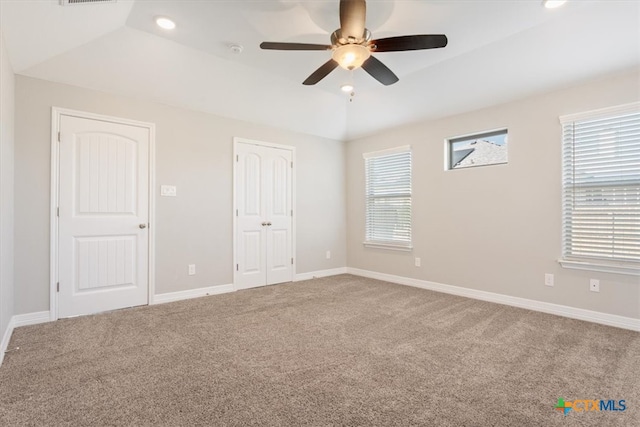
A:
601, 187
388, 198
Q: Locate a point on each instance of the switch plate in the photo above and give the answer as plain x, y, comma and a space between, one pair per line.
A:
168, 190
328, 254
192, 269
594, 285
418, 262
548, 279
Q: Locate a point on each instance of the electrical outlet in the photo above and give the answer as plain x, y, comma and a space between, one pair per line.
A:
192, 269
548, 279
418, 262
594, 285
328, 255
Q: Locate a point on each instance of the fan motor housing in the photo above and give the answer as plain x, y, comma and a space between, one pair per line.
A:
338, 40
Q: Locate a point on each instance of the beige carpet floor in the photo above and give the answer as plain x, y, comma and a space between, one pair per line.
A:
339, 351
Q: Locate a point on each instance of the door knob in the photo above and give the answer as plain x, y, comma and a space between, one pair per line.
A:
268, 223
264, 224
143, 226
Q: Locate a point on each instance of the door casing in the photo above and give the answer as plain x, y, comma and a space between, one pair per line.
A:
236, 141
56, 114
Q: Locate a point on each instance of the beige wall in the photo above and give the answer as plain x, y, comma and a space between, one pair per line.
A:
494, 228
194, 152
7, 89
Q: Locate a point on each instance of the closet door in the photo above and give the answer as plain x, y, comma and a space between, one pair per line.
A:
263, 215
278, 209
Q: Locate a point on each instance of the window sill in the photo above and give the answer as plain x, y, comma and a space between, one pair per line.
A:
390, 246
603, 267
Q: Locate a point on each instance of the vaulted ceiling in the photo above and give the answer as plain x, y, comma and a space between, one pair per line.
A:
498, 51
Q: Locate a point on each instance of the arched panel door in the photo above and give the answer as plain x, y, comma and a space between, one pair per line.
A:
103, 240
264, 215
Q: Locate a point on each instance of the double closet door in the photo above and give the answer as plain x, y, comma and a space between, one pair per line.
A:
264, 215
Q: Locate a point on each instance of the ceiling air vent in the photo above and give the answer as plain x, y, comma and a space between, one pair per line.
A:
72, 2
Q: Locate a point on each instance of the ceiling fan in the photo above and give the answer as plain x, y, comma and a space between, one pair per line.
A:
352, 46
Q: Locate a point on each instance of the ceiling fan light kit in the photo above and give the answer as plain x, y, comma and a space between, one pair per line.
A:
352, 47
351, 56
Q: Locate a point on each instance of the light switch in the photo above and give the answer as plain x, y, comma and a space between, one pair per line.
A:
168, 190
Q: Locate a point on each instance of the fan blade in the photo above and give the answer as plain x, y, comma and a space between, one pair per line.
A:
321, 72
418, 42
379, 71
352, 18
293, 46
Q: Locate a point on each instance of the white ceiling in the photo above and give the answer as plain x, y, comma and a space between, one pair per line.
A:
498, 51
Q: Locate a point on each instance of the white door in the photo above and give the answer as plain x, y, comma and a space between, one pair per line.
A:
264, 215
103, 250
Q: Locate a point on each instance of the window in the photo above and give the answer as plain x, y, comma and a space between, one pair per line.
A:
388, 198
487, 148
601, 190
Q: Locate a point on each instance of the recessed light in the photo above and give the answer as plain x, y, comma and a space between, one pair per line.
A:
166, 23
346, 88
552, 4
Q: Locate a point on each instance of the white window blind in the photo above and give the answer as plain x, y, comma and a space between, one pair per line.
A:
601, 187
388, 198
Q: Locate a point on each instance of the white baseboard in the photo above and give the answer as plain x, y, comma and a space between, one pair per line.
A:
31, 318
191, 293
223, 289
320, 273
21, 320
5, 340
544, 307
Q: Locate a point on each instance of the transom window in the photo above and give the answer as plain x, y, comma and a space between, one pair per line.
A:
481, 149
